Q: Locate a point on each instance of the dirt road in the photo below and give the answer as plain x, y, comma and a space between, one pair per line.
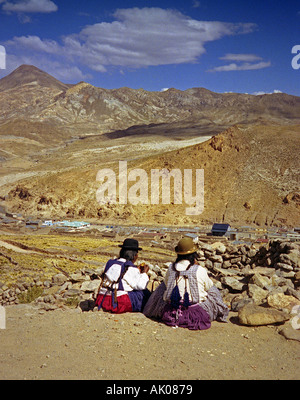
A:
96, 345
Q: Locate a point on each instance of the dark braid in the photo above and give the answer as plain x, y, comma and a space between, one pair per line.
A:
190, 257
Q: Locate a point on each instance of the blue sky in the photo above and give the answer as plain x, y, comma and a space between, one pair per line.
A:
224, 46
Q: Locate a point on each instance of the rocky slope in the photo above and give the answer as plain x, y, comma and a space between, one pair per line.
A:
55, 137
251, 176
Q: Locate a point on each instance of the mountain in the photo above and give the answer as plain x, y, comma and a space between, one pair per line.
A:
55, 137
30, 75
32, 95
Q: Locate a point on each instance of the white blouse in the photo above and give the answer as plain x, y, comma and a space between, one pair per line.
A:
203, 280
133, 279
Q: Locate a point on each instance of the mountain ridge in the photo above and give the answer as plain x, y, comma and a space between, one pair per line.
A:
106, 110
251, 159
29, 74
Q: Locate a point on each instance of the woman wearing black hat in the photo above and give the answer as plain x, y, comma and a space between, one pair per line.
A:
123, 287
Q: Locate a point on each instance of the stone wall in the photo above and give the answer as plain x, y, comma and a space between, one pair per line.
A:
245, 274
268, 276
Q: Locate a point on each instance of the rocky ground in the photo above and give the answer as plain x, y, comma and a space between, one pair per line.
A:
56, 334
71, 345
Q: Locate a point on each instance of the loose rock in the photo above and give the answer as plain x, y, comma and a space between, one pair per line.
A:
281, 301
254, 315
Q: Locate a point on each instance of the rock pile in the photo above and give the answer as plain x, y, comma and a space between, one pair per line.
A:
268, 277
61, 290
247, 275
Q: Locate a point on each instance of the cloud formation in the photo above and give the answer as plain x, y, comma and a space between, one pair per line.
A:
261, 92
30, 6
240, 57
241, 67
136, 38
244, 62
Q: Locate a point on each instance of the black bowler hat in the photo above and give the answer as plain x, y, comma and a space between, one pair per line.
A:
130, 244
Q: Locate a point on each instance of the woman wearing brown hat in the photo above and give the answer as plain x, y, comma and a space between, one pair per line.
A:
123, 287
187, 297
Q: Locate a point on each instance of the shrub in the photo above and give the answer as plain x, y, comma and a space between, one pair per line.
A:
31, 294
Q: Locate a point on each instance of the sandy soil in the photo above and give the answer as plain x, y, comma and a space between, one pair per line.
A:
95, 345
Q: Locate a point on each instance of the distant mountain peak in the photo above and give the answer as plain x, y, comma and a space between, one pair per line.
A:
31, 94
29, 74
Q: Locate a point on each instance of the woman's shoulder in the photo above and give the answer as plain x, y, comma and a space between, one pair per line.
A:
201, 270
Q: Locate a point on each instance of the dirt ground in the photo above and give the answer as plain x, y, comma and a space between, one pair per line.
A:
74, 345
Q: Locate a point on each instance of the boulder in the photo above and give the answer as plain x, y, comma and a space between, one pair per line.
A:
260, 280
219, 247
292, 258
78, 277
239, 302
284, 266
59, 279
72, 293
254, 315
293, 292
205, 247
281, 301
233, 283
257, 293
90, 286
297, 279
216, 258
290, 333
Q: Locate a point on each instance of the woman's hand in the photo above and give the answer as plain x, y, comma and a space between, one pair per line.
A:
143, 268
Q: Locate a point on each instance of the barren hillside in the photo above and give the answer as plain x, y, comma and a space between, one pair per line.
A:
55, 137
251, 176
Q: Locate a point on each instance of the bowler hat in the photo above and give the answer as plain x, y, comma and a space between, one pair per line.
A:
130, 244
186, 246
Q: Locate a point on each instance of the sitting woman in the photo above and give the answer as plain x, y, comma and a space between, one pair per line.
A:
123, 287
187, 298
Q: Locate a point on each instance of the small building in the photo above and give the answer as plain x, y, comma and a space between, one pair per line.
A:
72, 224
220, 229
32, 223
47, 223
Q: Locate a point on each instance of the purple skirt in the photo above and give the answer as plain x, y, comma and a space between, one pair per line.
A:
192, 317
213, 307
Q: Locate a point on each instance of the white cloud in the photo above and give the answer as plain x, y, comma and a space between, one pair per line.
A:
245, 66
34, 43
148, 37
241, 57
30, 6
138, 37
261, 93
